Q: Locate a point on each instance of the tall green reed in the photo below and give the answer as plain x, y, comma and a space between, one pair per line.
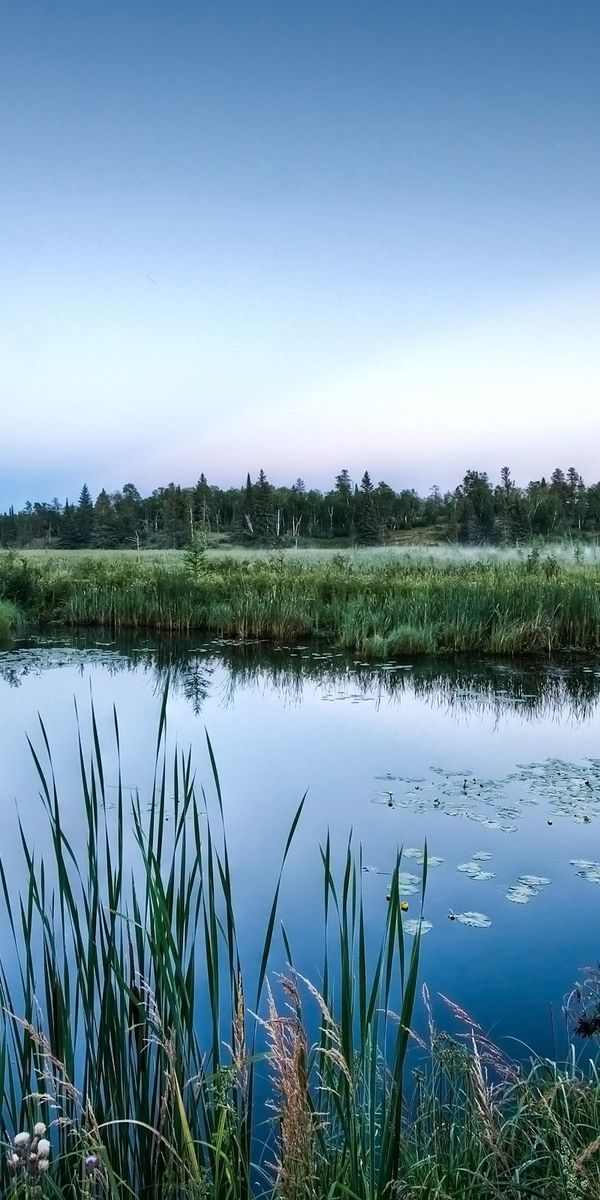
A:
375, 606
135, 1026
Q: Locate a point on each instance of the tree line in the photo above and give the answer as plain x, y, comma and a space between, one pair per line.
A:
476, 512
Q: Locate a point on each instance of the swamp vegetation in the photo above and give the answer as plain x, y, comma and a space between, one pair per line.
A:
379, 607
162, 1054
164, 1061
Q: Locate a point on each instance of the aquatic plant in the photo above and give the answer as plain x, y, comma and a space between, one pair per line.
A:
380, 607
10, 620
131, 1019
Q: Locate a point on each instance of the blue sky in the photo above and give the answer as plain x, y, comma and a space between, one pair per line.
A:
297, 236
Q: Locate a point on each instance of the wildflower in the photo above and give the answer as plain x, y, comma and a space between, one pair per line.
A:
43, 1165
43, 1148
91, 1163
13, 1161
39, 1130
21, 1139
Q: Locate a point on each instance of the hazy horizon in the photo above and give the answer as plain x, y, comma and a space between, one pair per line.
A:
300, 239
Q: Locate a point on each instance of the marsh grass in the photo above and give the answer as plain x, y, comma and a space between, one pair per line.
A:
377, 605
10, 620
481, 1128
167, 1062
132, 1026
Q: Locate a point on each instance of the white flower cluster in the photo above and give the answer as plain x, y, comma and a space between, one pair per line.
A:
29, 1154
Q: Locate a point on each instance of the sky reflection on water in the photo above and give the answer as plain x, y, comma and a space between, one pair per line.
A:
479, 758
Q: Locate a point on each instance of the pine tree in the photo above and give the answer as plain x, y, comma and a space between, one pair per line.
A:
367, 523
68, 537
105, 533
202, 504
263, 509
83, 519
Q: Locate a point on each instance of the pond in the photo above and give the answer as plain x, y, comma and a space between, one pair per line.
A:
495, 765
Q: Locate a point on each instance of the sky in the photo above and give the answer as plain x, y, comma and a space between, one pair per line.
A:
297, 236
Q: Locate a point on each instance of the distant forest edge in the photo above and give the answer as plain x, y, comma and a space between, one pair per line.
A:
476, 512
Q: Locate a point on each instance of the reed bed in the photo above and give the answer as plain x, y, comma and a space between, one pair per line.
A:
379, 607
10, 620
144, 1053
160, 1062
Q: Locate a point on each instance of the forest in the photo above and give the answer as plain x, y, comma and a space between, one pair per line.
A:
476, 512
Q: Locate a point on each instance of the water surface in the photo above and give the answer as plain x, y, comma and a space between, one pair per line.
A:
497, 765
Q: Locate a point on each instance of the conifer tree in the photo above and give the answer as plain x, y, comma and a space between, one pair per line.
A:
367, 524
263, 518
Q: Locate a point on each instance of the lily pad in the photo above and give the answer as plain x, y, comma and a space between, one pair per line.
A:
520, 893
587, 869
476, 920
433, 860
474, 871
408, 884
413, 927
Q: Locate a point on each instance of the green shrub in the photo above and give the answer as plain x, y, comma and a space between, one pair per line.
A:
10, 620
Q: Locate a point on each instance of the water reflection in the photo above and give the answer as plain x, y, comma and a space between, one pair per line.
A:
568, 687
493, 763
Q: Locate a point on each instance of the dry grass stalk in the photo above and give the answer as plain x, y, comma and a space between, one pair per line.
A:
240, 1049
331, 1030
288, 1051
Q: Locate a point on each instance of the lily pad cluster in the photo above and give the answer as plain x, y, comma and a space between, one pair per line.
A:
587, 868
433, 860
526, 887
567, 789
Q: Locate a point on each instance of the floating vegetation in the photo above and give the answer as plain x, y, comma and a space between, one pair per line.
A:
587, 868
408, 885
526, 887
433, 860
384, 797
417, 926
567, 786
474, 871
481, 856
475, 919
567, 789
534, 881
519, 893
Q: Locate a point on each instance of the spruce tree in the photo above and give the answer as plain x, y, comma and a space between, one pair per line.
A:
84, 519
105, 532
367, 523
263, 518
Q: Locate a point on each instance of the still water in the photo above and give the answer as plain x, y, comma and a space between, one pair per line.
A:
497, 765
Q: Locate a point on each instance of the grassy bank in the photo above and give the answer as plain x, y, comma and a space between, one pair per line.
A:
150, 1044
378, 606
11, 620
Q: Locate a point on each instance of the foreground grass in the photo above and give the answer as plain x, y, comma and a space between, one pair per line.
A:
133, 1028
378, 605
11, 620
136, 1029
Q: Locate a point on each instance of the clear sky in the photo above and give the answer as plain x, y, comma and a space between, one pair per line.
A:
297, 235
